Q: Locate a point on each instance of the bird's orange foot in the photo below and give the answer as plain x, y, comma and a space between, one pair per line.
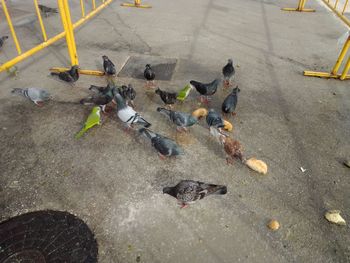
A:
161, 156
183, 205
39, 103
229, 161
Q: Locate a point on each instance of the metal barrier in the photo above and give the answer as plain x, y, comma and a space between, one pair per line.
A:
334, 73
300, 7
137, 3
338, 10
68, 32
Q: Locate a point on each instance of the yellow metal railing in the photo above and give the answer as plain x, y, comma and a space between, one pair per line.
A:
332, 4
334, 73
338, 10
68, 32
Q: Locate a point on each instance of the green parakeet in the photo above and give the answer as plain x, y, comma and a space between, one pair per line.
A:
93, 119
182, 95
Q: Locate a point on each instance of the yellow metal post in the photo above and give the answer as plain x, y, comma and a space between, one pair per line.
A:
341, 56
71, 32
345, 5
40, 20
300, 7
82, 8
346, 69
137, 3
336, 4
81, 71
67, 25
93, 4
13, 33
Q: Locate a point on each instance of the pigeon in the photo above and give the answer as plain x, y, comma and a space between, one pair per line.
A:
93, 119
98, 100
207, 89
214, 119
189, 191
38, 96
168, 98
128, 93
70, 76
108, 66
149, 75
233, 149
109, 90
47, 10
165, 146
2, 40
230, 103
127, 114
181, 119
183, 93
228, 71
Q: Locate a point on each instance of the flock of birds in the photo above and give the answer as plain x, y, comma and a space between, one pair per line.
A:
186, 191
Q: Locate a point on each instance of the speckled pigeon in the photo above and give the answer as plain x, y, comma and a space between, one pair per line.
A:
188, 191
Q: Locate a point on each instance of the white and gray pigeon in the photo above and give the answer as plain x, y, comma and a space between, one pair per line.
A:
189, 191
181, 119
38, 96
165, 146
127, 114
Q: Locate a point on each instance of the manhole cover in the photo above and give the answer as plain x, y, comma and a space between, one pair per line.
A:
134, 67
46, 236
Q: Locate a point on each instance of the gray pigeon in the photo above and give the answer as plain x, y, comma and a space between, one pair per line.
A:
164, 145
127, 114
181, 119
214, 119
2, 40
205, 89
230, 103
38, 96
188, 191
228, 71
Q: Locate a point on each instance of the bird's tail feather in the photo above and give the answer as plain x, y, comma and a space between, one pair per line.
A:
19, 91
147, 133
86, 101
80, 133
143, 122
164, 111
95, 88
215, 189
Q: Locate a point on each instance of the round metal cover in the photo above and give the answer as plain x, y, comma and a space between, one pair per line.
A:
46, 237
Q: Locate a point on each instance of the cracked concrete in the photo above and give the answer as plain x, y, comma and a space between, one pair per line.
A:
113, 181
